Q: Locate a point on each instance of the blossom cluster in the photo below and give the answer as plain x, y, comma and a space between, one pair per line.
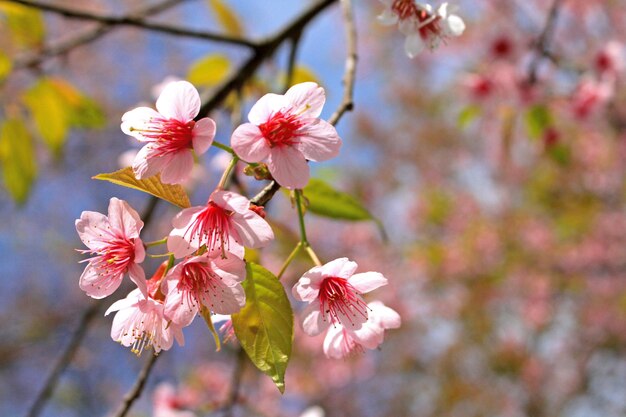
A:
207, 243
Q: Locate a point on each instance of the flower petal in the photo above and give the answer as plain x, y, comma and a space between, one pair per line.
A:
308, 286
203, 134
252, 229
386, 317
306, 99
178, 168
97, 283
230, 201
124, 218
414, 45
319, 140
138, 276
231, 269
367, 281
341, 268
314, 321
249, 144
178, 307
267, 105
136, 120
335, 343
179, 100
145, 165
288, 167
94, 229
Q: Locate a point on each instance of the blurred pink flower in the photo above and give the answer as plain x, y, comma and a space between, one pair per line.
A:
610, 60
225, 224
140, 324
333, 292
170, 133
115, 242
204, 281
341, 341
286, 130
589, 96
423, 26
167, 402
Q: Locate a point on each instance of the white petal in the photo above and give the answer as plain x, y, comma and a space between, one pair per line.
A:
413, 45
179, 100
267, 105
306, 99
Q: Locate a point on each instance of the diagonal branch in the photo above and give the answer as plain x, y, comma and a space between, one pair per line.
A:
542, 46
136, 22
135, 391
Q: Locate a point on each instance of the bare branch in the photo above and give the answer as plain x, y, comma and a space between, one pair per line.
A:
543, 42
135, 391
136, 22
64, 360
235, 383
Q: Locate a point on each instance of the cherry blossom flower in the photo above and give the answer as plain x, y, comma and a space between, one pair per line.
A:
341, 341
589, 96
214, 283
423, 26
140, 323
333, 292
170, 133
610, 60
168, 403
115, 242
286, 130
225, 224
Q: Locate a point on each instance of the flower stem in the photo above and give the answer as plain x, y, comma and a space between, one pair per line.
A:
156, 242
227, 172
223, 147
290, 258
303, 239
312, 255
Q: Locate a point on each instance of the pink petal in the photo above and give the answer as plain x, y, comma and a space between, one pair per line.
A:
178, 169
132, 298
252, 229
178, 245
140, 251
232, 269
341, 268
231, 201
94, 229
319, 140
138, 119
249, 144
334, 343
124, 218
224, 299
178, 307
203, 134
370, 335
179, 100
145, 165
288, 167
306, 99
263, 109
308, 286
385, 316
138, 276
97, 285
367, 281
314, 321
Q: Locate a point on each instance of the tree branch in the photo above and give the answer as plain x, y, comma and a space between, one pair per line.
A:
543, 42
135, 391
85, 37
136, 22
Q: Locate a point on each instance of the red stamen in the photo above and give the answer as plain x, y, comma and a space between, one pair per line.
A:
280, 129
212, 227
339, 298
170, 136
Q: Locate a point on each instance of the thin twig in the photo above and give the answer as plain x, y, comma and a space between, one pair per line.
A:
235, 383
543, 42
64, 360
136, 22
137, 388
85, 37
291, 61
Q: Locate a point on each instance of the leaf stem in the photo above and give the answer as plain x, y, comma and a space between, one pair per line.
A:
304, 242
223, 147
290, 258
312, 255
227, 172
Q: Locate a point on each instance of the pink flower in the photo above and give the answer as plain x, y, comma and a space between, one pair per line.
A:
286, 130
589, 96
115, 242
610, 60
204, 281
341, 341
225, 224
423, 26
141, 324
167, 403
170, 133
333, 292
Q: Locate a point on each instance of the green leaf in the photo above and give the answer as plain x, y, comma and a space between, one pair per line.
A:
84, 111
17, 154
26, 24
325, 201
209, 71
264, 327
50, 113
227, 18
468, 115
172, 193
538, 118
5, 66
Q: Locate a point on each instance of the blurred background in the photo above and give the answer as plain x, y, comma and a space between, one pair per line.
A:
495, 164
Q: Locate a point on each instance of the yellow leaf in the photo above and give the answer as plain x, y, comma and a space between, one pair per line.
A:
17, 154
172, 193
5, 66
206, 315
303, 74
25, 23
226, 18
209, 70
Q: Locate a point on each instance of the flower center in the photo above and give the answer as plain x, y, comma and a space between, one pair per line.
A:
341, 302
405, 9
280, 129
170, 135
427, 24
113, 260
212, 227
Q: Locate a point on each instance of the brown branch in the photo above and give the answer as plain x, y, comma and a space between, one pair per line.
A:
235, 383
135, 391
542, 45
85, 37
136, 22
64, 360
